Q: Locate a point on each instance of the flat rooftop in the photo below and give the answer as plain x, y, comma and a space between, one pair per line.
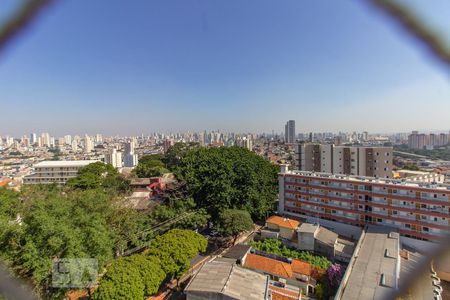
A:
224, 277
387, 181
422, 289
378, 258
64, 163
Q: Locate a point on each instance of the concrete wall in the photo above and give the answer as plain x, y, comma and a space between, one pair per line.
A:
287, 233
272, 226
346, 230
324, 249
266, 234
349, 269
306, 241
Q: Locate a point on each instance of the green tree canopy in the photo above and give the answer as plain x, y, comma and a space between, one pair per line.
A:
150, 166
99, 175
173, 207
230, 177
233, 221
152, 158
176, 248
57, 222
131, 277
172, 158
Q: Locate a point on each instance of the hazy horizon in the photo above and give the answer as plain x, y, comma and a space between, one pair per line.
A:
177, 66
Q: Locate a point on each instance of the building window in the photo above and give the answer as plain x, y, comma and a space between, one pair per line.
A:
426, 229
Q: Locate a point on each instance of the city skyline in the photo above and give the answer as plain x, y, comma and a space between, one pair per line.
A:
174, 67
280, 133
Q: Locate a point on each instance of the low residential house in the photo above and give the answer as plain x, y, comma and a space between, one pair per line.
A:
295, 272
313, 237
280, 227
237, 252
139, 183
222, 279
278, 293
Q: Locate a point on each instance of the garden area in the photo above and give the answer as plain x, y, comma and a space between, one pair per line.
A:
328, 275
276, 247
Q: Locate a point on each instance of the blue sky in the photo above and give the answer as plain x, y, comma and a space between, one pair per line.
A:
131, 67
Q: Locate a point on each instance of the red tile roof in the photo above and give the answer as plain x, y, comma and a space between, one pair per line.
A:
283, 294
276, 267
283, 222
268, 265
301, 267
5, 182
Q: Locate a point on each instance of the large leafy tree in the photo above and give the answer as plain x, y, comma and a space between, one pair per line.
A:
176, 153
233, 221
99, 175
176, 248
173, 207
131, 278
57, 222
150, 166
230, 177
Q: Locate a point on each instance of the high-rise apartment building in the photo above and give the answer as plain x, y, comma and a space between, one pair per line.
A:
68, 139
289, 132
418, 210
74, 146
45, 138
98, 139
130, 159
418, 140
33, 138
350, 160
88, 144
114, 158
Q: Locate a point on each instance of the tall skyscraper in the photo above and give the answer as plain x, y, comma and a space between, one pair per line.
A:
33, 138
45, 139
88, 144
130, 159
98, 139
129, 147
74, 145
289, 132
114, 158
68, 139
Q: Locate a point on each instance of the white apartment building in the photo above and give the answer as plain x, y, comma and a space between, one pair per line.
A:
114, 158
59, 172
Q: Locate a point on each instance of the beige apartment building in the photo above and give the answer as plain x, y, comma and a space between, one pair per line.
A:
419, 210
349, 160
59, 172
